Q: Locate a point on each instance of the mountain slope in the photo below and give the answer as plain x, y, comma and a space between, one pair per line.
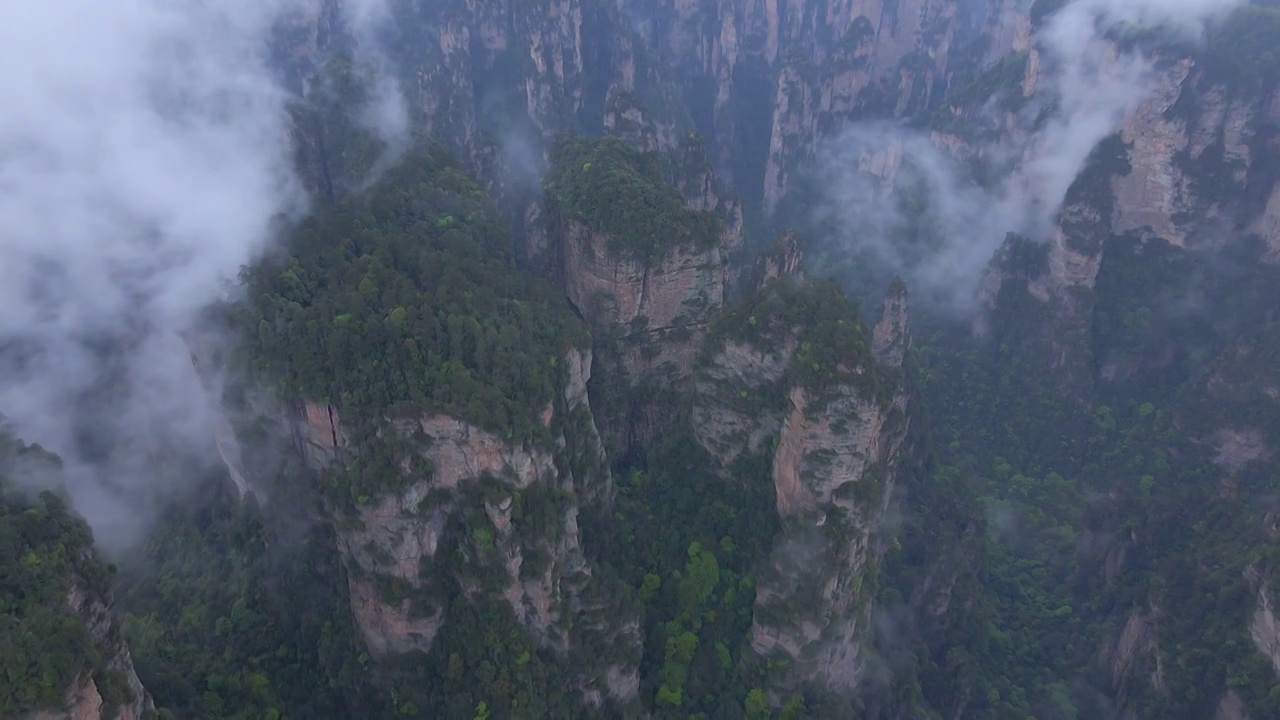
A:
64, 655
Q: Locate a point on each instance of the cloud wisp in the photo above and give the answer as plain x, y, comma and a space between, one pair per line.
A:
946, 233
386, 111
144, 158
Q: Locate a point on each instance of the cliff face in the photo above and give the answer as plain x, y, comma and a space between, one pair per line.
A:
1181, 175
1185, 174
496, 82
833, 472
643, 250
761, 81
665, 305
834, 447
86, 698
767, 78
555, 65
1189, 177
831, 475
447, 425
492, 519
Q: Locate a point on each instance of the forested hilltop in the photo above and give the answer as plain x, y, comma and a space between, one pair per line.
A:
643, 378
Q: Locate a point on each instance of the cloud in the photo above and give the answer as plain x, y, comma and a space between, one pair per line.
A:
144, 158
1091, 86
386, 114
911, 208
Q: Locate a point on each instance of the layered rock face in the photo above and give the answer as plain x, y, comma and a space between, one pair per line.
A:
828, 469
770, 77
1135, 658
835, 448
1189, 167
495, 81
497, 519
760, 80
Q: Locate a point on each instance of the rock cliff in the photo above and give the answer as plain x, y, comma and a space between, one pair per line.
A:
1181, 175
479, 518
644, 262
639, 241
495, 82
115, 692
789, 374
761, 81
1181, 170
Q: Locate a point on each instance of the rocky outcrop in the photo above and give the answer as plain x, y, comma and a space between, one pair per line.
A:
760, 80
68, 659
317, 432
664, 305
1189, 167
655, 280
84, 699
392, 627
1267, 226
84, 702
834, 451
395, 533
832, 468
823, 62
1181, 169
1135, 657
1264, 628
1071, 265
891, 337
496, 81
728, 419
786, 260
1231, 707
741, 389
1238, 447
224, 437
808, 67
507, 511
1007, 28
833, 474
